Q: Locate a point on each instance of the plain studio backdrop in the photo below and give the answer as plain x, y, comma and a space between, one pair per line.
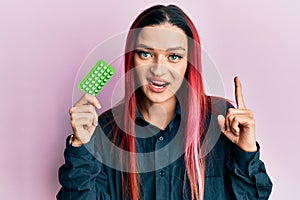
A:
44, 43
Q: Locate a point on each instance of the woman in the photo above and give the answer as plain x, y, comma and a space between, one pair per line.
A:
164, 100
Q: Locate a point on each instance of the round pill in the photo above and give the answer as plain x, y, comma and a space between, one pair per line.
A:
105, 80
105, 73
108, 76
87, 82
89, 78
110, 73
84, 86
101, 64
101, 83
93, 75
96, 84
105, 67
102, 77
98, 81
99, 87
93, 81
90, 85
102, 71
98, 68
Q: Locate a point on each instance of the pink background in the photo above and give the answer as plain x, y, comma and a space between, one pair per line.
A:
43, 43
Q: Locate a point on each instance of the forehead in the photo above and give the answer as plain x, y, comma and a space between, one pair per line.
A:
162, 37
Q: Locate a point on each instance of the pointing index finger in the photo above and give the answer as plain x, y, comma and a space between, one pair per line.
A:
238, 94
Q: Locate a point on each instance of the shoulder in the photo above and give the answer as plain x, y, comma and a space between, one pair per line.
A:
213, 139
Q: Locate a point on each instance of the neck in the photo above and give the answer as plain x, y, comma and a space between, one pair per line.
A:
159, 114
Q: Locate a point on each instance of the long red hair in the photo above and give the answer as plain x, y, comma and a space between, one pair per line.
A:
196, 107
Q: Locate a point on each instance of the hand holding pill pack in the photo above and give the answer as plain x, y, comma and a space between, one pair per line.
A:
97, 78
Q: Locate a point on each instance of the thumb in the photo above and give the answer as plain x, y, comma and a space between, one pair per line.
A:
221, 122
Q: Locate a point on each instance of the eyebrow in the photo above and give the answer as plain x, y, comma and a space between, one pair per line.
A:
169, 49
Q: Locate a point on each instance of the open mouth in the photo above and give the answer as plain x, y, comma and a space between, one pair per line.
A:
158, 84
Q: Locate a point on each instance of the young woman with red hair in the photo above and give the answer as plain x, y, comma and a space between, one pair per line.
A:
163, 141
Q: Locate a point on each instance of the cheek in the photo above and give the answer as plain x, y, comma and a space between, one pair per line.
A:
179, 75
140, 74
181, 70
137, 61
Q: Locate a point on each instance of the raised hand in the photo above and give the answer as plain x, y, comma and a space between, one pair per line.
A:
239, 124
84, 119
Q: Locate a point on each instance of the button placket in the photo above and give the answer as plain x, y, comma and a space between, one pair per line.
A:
162, 172
161, 178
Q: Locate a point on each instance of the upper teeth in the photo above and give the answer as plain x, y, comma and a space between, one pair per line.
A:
158, 82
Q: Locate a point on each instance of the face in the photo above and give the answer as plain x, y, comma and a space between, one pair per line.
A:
160, 60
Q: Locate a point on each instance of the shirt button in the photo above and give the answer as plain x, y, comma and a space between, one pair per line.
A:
162, 173
161, 138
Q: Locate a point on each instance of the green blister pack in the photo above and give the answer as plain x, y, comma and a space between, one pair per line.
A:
97, 78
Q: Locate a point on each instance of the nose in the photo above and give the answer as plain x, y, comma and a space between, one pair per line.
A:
159, 66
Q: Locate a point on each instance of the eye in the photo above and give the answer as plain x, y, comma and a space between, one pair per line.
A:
174, 57
143, 54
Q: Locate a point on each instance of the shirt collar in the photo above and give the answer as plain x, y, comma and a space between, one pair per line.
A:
140, 120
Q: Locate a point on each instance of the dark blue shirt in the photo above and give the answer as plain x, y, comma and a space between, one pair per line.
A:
93, 171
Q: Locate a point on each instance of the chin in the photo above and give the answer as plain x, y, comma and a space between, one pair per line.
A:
158, 98
157, 101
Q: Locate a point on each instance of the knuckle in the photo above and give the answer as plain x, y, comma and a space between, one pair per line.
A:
73, 123
252, 121
89, 121
71, 110
234, 119
72, 116
91, 108
95, 113
86, 95
251, 113
230, 110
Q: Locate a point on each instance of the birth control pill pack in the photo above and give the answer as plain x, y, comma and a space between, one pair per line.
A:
97, 78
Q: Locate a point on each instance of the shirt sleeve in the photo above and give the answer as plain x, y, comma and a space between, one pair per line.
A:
246, 176
82, 176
